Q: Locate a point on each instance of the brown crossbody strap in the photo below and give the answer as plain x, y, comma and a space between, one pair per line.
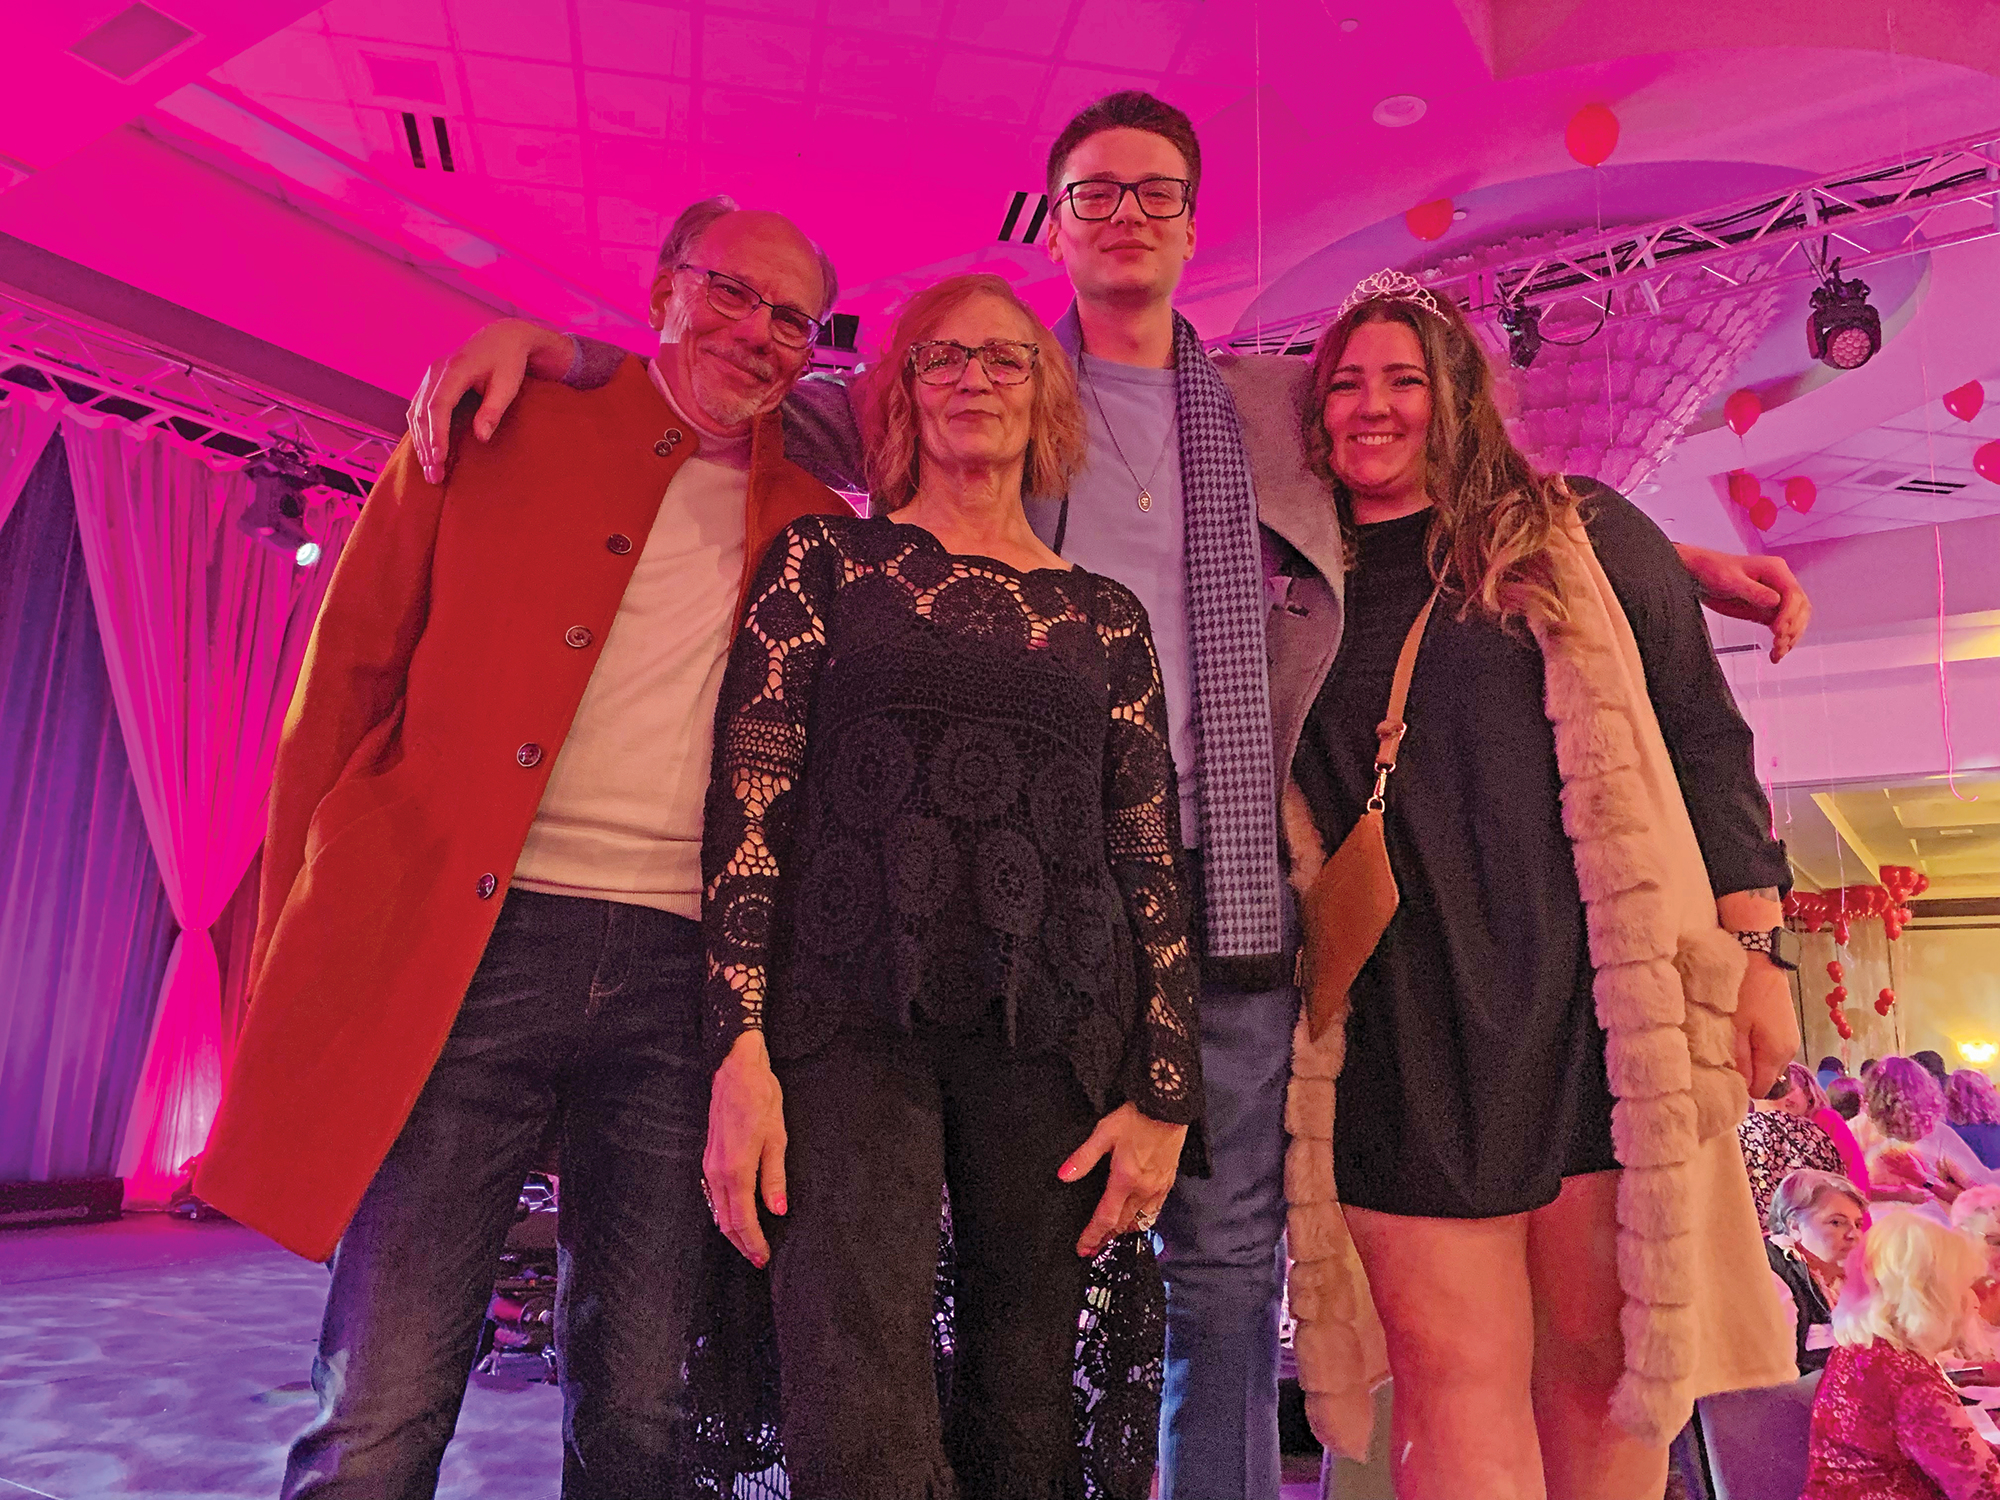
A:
1389, 733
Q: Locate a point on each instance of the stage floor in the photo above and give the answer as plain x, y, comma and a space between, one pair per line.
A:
172, 1360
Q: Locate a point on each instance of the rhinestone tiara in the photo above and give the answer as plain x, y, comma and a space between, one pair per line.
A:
1390, 286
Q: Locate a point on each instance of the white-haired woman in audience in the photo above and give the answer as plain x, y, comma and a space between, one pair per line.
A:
1976, 1215
1910, 1143
1886, 1423
1972, 1108
1816, 1220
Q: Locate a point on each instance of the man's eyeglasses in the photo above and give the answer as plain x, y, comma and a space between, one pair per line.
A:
942, 361
736, 300
1159, 197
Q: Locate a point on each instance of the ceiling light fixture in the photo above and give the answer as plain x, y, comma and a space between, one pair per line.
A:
1523, 324
1843, 331
1399, 110
279, 478
1979, 1054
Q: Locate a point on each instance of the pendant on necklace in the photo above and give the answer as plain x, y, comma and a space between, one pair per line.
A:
1145, 500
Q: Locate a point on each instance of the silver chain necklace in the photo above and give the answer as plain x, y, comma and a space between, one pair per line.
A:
1145, 485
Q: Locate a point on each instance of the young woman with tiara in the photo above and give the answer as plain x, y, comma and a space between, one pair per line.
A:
1525, 1102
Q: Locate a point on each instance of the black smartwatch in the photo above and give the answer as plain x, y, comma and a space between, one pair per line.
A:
1780, 945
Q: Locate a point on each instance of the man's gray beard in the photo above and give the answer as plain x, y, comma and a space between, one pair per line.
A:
723, 406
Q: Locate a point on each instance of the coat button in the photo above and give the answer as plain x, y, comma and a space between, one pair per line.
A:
618, 543
487, 886
529, 755
579, 636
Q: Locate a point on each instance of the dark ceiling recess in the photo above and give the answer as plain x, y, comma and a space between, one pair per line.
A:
132, 41
414, 135
1026, 213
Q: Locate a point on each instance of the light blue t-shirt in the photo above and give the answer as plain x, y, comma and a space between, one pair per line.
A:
1143, 549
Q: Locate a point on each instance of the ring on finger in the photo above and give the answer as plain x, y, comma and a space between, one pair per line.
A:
1144, 1220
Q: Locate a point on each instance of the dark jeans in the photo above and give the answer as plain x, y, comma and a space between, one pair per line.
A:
586, 1011
876, 1126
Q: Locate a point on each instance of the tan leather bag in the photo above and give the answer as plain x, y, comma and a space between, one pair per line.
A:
1349, 904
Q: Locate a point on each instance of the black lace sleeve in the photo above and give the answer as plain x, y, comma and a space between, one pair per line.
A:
760, 748
1142, 829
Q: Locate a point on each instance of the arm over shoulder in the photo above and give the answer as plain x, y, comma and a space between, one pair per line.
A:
1711, 745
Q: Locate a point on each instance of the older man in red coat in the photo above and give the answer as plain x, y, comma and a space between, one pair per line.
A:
481, 888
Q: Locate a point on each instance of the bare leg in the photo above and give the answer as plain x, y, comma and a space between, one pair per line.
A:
1579, 1350
1455, 1304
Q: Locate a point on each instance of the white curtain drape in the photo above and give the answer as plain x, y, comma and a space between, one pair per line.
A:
204, 629
27, 422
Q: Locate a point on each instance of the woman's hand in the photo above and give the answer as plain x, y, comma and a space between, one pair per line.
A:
1767, 1028
1760, 589
1145, 1157
491, 362
746, 1135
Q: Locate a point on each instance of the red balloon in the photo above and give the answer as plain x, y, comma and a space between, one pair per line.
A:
1964, 403
1837, 995
1741, 411
1986, 459
1764, 514
1887, 997
1743, 488
1923, 883
1835, 972
1592, 134
1841, 931
1429, 221
1800, 492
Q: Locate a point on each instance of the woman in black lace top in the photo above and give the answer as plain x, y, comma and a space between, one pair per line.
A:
947, 922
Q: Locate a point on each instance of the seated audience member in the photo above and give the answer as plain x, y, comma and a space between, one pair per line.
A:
1815, 1222
1779, 1138
1976, 1215
1844, 1095
1886, 1423
1867, 1066
1931, 1063
1972, 1109
1829, 1069
1910, 1144
1804, 1097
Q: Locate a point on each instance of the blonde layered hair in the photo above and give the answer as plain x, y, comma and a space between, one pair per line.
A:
1971, 1099
889, 424
1916, 1287
1902, 1099
1492, 514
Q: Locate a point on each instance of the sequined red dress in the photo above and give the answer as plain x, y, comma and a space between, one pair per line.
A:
1887, 1425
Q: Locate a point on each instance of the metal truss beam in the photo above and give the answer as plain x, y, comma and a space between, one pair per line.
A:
1752, 243
49, 351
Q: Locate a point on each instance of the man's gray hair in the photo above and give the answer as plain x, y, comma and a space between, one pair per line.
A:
694, 222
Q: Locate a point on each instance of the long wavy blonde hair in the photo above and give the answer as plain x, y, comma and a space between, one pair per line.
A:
1916, 1287
893, 456
1492, 514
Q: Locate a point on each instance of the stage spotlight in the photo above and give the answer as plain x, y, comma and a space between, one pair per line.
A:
1844, 331
278, 481
1524, 332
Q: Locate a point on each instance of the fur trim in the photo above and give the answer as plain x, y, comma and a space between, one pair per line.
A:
1613, 866
1648, 1063
1657, 1270
1637, 997
1307, 1102
1653, 1201
1657, 1132
1630, 928
1303, 843
1660, 1338
1308, 1174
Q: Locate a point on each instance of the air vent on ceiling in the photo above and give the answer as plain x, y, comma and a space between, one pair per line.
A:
415, 78
413, 137
132, 41
1025, 214
1931, 486
840, 331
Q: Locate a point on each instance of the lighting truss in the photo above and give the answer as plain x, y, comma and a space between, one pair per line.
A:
49, 351
1752, 243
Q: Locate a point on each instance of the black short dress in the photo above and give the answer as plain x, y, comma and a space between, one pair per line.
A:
1475, 1076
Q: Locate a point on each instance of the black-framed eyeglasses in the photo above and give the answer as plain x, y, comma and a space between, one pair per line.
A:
736, 300
1159, 197
942, 361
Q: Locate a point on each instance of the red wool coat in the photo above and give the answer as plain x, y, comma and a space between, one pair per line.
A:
455, 642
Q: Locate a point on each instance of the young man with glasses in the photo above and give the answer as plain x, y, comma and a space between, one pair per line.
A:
1167, 505
481, 886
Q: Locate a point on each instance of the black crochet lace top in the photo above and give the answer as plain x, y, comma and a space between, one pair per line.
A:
942, 795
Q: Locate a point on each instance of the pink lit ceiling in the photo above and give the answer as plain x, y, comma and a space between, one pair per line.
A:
261, 172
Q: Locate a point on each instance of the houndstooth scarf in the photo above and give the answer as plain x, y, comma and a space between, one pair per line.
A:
1232, 699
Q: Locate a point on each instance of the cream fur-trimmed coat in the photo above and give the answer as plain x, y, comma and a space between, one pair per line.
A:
1700, 1313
